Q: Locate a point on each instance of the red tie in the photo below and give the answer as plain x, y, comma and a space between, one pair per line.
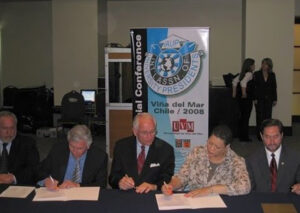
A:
141, 160
273, 170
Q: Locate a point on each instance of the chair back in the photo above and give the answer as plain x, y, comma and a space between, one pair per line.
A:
73, 108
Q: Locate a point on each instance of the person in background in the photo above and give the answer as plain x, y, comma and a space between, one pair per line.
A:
19, 154
243, 89
274, 167
212, 169
142, 162
74, 163
265, 93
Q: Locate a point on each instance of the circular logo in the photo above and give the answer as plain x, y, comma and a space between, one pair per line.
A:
169, 71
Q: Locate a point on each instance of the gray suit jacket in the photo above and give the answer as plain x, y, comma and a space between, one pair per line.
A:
288, 170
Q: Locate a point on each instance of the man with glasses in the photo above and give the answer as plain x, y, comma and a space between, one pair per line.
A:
142, 162
274, 167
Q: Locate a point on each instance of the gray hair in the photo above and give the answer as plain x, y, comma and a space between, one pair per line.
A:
142, 115
80, 132
9, 114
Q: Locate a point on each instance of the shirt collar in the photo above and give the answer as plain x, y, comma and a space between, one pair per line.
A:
81, 157
277, 155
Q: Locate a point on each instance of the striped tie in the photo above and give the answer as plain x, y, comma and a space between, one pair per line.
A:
76, 173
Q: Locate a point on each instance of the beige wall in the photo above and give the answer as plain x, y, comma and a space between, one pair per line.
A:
223, 17
270, 34
297, 8
75, 46
38, 37
26, 36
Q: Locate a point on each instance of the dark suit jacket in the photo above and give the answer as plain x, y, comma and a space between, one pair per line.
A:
158, 166
265, 89
94, 171
288, 170
23, 159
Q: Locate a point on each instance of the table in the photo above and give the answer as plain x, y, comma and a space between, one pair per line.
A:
111, 200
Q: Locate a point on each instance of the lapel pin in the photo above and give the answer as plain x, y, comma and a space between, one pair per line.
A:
282, 163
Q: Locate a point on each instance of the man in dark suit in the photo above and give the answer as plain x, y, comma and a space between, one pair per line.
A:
19, 155
74, 163
142, 161
274, 167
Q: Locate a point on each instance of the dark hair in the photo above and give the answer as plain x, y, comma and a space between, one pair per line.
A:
246, 67
269, 62
223, 132
271, 122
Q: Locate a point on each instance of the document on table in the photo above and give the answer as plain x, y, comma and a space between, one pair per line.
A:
17, 191
77, 193
178, 201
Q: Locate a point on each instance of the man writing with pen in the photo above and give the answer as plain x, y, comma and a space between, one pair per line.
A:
142, 162
74, 163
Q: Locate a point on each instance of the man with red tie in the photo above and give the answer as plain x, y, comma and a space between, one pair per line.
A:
142, 162
274, 167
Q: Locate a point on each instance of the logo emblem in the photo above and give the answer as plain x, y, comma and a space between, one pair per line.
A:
172, 65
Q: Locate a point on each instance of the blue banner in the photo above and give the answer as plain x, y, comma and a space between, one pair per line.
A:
171, 81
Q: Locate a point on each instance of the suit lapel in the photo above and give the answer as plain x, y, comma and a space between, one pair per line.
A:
264, 167
282, 165
86, 168
63, 166
132, 160
12, 152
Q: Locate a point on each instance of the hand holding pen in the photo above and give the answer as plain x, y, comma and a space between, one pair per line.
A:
167, 189
126, 183
51, 183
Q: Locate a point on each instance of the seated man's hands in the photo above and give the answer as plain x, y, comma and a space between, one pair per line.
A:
145, 188
126, 183
68, 184
296, 188
7, 178
51, 183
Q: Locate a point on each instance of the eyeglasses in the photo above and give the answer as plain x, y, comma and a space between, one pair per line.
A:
145, 133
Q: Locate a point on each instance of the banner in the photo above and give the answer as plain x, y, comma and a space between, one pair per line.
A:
171, 81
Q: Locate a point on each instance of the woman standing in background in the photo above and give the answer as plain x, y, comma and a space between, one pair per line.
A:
265, 95
243, 89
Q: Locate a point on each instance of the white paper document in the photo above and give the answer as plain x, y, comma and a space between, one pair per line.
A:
17, 191
178, 201
77, 193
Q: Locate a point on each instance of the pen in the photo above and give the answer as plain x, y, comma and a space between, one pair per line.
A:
168, 188
128, 177
51, 179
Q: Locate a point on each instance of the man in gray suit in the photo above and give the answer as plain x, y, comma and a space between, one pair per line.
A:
274, 167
